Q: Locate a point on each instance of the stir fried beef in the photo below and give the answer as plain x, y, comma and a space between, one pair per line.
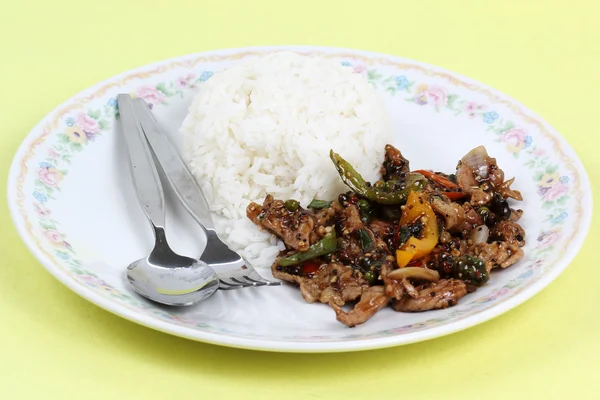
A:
372, 300
515, 215
325, 283
381, 228
327, 216
465, 178
395, 166
294, 227
506, 192
409, 288
351, 221
393, 287
420, 240
452, 213
433, 296
509, 232
472, 218
497, 254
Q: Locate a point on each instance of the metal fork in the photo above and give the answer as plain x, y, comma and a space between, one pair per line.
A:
234, 272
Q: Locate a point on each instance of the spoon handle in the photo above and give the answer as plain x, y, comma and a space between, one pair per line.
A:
178, 174
143, 170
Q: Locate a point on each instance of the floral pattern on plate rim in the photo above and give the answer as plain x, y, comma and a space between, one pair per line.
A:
73, 130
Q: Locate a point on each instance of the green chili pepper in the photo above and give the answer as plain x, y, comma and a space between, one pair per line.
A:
324, 246
319, 204
484, 212
390, 185
370, 277
357, 183
291, 205
471, 269
365, 240
365, 210
363, 205
416, 179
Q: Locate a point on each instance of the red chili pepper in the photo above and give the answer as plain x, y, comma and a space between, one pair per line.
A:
445, 182
310, 267
416, 263
454, 195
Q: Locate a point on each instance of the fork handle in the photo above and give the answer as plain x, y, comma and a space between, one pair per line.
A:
180, 177
143, 170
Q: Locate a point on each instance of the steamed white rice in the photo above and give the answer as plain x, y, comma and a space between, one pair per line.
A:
266, 125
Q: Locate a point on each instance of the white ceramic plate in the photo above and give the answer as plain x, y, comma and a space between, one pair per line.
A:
70, 197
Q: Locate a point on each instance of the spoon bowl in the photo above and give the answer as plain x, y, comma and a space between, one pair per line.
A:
169, 278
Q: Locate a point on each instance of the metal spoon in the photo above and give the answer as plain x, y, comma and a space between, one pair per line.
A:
164, 276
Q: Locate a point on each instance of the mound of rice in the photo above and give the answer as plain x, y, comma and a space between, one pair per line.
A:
266, 125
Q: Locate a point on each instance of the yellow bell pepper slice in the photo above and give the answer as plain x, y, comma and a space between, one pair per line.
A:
418, 208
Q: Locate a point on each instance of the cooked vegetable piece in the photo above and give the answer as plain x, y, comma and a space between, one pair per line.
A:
323, 247
455, 195
365, 209
418, 208
425, 274
370, 277
470, 269
440, 180
291, 205
376, 193
319, 204
365, 240
500, 206
403, 233
484, 212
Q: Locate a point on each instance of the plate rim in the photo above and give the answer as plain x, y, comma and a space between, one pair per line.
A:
292, 345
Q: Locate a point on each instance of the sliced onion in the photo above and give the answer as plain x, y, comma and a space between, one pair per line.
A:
415, 273
480, 234
477, 160
482, 171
